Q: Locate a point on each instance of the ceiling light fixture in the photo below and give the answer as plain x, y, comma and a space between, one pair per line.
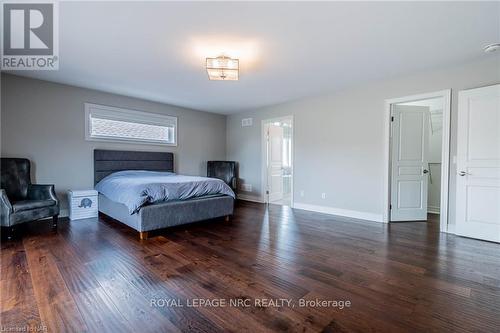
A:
223, 68
492, 47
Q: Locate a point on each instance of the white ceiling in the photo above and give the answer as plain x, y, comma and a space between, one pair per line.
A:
287, 51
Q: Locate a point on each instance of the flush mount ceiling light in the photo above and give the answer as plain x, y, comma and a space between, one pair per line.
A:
223, 68
492, 48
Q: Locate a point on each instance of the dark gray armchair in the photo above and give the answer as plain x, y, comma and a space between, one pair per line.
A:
225, 170
21, 201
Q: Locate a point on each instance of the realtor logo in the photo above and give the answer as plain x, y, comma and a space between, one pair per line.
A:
29, 38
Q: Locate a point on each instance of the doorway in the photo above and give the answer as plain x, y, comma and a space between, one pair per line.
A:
418, 158
277, 168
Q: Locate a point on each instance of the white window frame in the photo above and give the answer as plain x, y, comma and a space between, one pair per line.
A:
122, 114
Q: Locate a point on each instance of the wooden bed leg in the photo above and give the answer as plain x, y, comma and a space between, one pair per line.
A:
227, 218
143, 235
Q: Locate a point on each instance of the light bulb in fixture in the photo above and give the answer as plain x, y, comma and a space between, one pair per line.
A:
223, 68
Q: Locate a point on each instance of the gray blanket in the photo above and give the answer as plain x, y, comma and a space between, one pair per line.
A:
136, 188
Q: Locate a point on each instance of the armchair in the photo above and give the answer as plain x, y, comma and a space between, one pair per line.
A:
21, 201
225, 170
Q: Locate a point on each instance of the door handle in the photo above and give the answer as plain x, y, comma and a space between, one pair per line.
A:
462, 173
425, 171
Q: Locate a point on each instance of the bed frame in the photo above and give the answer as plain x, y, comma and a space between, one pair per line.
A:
159, 215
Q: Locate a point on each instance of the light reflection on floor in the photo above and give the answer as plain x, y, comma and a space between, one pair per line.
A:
278, 235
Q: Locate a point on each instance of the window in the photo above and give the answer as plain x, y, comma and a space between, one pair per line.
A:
117, 124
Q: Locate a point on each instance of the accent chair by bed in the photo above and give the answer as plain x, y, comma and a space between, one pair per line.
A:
20, 200
224, 170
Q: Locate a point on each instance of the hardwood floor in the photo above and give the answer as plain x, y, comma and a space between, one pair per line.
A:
96, 275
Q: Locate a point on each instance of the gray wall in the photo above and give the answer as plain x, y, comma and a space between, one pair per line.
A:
338, 137
44, 122
339, 145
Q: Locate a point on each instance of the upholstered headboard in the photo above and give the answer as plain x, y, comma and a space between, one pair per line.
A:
108, 161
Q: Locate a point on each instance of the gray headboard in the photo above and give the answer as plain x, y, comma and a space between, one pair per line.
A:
108, 161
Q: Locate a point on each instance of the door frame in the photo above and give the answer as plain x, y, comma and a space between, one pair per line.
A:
445, 153
264, 197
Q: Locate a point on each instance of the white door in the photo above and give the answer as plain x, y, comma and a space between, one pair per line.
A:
478, 164
275, 162
409, 167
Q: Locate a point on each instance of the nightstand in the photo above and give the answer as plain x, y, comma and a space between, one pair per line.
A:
82, 204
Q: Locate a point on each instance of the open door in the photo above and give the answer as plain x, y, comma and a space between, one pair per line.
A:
478, 164
409, 165
275, 162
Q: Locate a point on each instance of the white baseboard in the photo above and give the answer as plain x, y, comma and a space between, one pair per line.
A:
247, 197
62, 213
340, 212
451, 229
433, 210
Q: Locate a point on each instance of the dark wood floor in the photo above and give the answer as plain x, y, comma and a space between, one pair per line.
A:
95, 275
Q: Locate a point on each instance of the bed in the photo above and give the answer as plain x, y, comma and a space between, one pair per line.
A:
157, 215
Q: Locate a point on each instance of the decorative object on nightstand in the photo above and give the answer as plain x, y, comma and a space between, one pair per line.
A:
20, 200
82, 204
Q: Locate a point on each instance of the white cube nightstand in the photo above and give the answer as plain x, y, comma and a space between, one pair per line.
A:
82, 204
